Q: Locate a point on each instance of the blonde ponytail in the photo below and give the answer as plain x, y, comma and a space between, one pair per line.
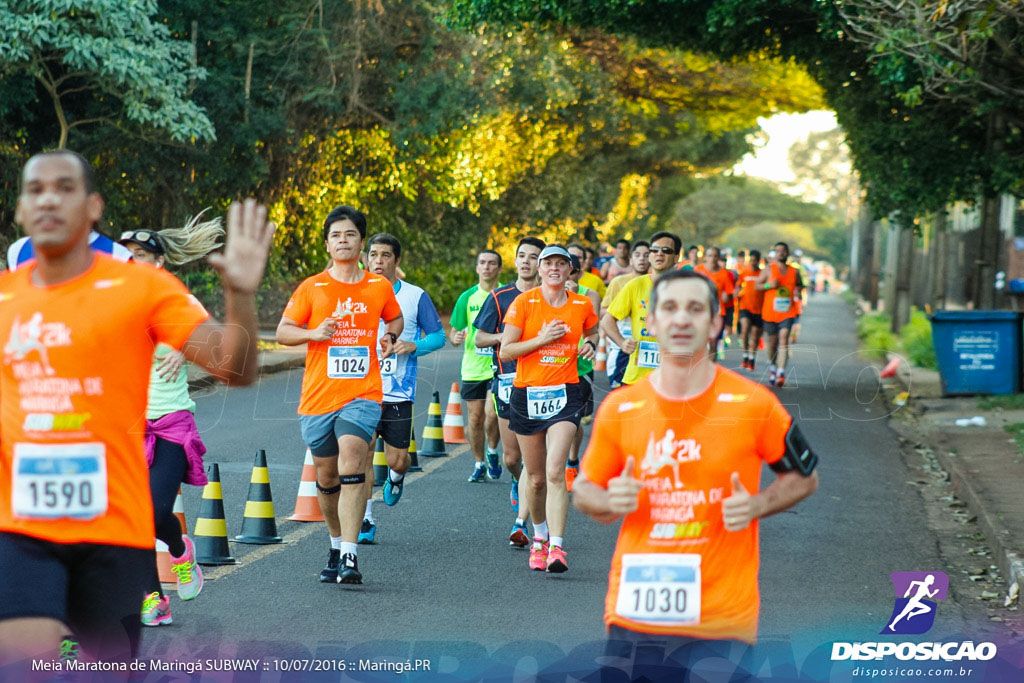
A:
194, 240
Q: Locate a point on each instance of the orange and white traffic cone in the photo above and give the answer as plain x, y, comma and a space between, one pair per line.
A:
307, 509
163, 553
454, 425
601, 357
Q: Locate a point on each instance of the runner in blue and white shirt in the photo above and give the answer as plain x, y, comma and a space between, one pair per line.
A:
423, 333
21, 251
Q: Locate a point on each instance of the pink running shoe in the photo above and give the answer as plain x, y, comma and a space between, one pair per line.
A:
156, 611
190, 576
539, 555
557, 562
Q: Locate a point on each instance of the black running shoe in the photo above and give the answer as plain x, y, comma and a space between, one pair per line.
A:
349, 570
330, 572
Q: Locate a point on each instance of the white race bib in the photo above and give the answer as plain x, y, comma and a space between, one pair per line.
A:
648, 355
487, 351
782, 301
545, 402
59, 480
505, 386
660, 588
388, 365
348, 362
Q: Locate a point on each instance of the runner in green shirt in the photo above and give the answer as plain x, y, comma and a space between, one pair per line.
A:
477, 371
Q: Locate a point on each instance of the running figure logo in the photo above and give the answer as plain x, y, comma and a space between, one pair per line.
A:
669, 452
348, 310
916, 596
26, 338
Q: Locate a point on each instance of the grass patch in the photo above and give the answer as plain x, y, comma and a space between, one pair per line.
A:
914, 341
1017, 429
263, 345
1003, 402
849, 296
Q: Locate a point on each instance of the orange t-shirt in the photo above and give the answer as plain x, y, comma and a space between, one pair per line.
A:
779, 303
346, 367
75, 381
685, 453
722, 280
750, 298
553, 363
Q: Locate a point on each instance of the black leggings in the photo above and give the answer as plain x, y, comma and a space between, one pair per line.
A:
165, 477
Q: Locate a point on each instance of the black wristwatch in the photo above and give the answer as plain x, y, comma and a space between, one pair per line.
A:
592, 345
394, 337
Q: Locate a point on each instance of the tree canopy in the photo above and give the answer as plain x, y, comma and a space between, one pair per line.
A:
921, 137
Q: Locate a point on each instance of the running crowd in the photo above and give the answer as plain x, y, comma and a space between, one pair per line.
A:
80, 509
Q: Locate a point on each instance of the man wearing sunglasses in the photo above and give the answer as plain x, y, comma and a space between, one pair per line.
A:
632, 303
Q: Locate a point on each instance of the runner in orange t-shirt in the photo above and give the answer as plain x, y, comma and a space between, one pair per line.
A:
543, 327
751, 303
337, 314
689, 490
76, 517
712, 268
782, 286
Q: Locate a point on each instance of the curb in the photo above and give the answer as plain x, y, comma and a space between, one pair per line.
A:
1010, 563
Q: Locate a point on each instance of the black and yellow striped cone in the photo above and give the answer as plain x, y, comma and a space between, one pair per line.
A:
211, 532
433, 432
414, 462
380, 463
258, 524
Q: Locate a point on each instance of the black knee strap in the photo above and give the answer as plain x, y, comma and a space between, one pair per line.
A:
327, 492
350, 479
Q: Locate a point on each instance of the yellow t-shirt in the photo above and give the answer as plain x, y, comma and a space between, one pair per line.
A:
632, 302
591, 281
614, 287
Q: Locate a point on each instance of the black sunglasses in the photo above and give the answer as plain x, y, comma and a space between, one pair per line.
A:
664, 250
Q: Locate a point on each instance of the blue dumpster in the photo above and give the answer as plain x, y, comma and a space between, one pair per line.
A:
979, 352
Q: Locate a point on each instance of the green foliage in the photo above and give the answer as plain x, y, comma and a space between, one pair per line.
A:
876, 339
914, 341
916, 338
1017, 430
107, 50
913, 151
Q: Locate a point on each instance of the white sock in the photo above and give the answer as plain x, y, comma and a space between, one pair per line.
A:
781, 371
556, 540
349, 549
368, 515
335, 542
395, 477
520, 521
540, 530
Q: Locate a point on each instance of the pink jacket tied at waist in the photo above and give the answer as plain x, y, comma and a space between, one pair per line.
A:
179, 427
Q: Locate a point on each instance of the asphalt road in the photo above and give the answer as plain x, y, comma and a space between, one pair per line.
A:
443, 584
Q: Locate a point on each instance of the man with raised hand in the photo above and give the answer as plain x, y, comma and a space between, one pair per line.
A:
684, 571
76, 522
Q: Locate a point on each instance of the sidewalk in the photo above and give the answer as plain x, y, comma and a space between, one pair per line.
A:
985, 464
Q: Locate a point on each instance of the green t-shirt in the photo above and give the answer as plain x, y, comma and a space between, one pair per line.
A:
476, 363
167, 396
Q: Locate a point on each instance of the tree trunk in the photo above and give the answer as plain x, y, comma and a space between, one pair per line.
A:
903, 276
984, 268
937, 261
875, 230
